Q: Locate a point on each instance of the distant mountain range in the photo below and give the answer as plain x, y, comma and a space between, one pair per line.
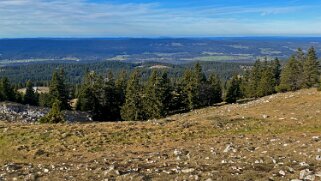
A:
167, 50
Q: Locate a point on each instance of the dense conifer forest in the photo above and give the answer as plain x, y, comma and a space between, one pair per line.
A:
134, 94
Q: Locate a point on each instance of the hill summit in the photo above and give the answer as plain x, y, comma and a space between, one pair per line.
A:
277, 137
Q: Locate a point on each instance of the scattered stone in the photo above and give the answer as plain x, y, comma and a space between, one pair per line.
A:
190, 170
303, 164
177, 152
316, 138
290, 170
229, 148
14, 112
282, 173
305, 173
309, 178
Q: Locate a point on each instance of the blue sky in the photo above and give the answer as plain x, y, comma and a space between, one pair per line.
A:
149, 18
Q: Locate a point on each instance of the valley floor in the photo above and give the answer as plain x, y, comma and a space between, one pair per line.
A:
273, 138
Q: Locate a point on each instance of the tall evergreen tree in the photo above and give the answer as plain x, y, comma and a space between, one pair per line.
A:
157, 95
253, 79
6, 90
215, 89
299, 55
153, 106
120, 86
30, 97
311, 69
89, 98
109, 98
267, 83
132, 110
194, 81
276, 66
233, 91
290, 76
58, 89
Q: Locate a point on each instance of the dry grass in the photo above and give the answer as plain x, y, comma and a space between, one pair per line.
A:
276, 131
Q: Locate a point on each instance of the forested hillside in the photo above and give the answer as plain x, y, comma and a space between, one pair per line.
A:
136, 95
40, 73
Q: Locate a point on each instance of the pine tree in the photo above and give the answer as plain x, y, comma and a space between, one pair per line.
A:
179, 100
267, 83
89, 98
300, 59
165, 92
290, 76
188, 88
132, 110
253, 79
299, 55
6, 90
120, 86
233, 91
152, 103
157, 96
276, 66
311, 69
58, 89
30, 96
194, 81
55, 115
109, 98
215, 89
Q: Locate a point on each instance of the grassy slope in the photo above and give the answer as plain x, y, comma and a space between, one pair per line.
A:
275, 131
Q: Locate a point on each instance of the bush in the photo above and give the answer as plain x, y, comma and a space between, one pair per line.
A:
54, 116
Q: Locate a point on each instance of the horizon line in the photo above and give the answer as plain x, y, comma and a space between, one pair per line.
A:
165, 37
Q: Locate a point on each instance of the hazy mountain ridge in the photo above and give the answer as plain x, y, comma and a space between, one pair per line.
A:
170, 50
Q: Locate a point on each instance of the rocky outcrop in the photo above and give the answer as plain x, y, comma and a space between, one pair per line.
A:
13, 112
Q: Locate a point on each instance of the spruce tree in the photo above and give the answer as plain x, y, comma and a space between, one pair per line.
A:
89, 98
300, 56
215, 89
194, 81
120, 86
152, 103
267, 84
311, 69
157, 95
165, 92
290, 76
276, 66
132, 110
188, 89
109, 98
179, 100
58, 89
233, 91
253, 79
30, 97
6, 90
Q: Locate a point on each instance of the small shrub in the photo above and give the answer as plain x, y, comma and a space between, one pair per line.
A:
54, 116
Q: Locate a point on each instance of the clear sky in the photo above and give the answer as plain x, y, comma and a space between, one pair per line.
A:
150, 18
